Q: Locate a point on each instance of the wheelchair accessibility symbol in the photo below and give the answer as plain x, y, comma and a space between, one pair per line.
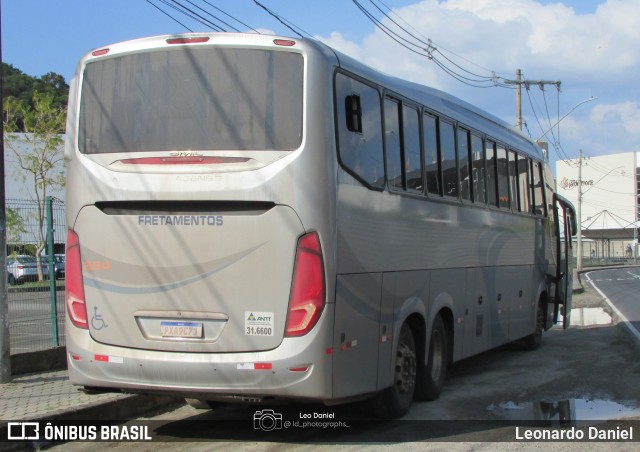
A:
97, 321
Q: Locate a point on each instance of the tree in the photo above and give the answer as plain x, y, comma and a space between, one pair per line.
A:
23, 87
15, 225
43, 162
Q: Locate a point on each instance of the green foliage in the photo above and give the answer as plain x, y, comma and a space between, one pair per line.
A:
15, 225
23, 88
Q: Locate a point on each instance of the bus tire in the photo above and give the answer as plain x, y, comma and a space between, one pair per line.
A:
395, 401
533, 341
431, 377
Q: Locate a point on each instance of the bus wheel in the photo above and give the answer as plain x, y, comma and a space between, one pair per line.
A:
533, 341
394, 402
431, 377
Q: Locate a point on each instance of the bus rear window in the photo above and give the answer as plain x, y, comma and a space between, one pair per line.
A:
185, 99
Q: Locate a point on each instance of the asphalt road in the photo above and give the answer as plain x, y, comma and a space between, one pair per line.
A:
621, 287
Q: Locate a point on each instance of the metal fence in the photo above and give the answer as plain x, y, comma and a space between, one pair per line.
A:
36, 308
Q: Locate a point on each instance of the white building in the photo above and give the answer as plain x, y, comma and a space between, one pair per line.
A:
609, 207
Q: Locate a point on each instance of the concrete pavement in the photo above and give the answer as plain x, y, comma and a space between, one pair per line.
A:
49, 395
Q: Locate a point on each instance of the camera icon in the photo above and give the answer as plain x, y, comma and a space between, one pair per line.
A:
267, 420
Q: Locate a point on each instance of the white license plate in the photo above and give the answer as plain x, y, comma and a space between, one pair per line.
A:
181, 329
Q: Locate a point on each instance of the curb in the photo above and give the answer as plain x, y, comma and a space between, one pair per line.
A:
630, 330
40, 361
126, 408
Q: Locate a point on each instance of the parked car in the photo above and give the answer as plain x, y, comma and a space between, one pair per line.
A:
23, 268
58, 260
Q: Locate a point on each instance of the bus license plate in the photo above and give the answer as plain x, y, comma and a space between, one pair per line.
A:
181, 329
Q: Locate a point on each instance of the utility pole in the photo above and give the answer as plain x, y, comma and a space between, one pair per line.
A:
519, 99
636, 205
579, 263
519, 82
5, 351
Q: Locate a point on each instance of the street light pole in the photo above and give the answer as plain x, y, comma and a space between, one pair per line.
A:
592, 98
579, 211
519, 99
5, 350
635, 208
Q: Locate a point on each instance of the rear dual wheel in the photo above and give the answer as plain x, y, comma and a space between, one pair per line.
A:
431, 377
533, 341
394, 402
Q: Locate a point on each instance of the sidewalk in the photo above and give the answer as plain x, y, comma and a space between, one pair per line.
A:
49, 395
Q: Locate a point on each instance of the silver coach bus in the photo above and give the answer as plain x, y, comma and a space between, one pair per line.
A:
253, 217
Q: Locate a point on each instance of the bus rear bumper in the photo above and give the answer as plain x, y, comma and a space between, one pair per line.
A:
299, 368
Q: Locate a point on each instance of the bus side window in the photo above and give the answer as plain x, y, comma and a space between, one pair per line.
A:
479, 173
513, 181
359, 124
395, 174
466, 187
449, 158
540, 207
353, 112
411, 148
429, 127
503, 177
492, 184
523, 184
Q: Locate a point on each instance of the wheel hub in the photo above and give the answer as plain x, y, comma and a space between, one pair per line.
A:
406, 368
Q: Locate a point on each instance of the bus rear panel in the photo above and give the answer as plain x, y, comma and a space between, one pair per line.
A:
190, 268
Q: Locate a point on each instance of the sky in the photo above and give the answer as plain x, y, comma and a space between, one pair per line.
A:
591, 46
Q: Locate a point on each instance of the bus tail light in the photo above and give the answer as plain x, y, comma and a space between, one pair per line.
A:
308, 289
187, 40
100, 52
74, 292
284, 42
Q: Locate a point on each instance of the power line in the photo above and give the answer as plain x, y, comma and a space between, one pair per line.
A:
201, 14
411, 39
440, 47
173, 4
195, 16
426, 48
290, 25
213, 16
428, 43
169, 15
231, 17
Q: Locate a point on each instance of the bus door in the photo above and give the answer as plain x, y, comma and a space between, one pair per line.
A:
565, 223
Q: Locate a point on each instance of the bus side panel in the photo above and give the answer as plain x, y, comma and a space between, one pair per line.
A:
510, 305
476, 324
521, 301
356, 341
448, 291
